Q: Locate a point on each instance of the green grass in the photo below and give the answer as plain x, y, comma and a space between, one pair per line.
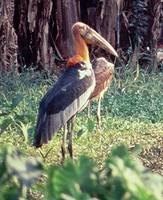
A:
131, 114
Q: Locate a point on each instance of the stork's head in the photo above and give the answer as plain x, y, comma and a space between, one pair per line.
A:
90, 36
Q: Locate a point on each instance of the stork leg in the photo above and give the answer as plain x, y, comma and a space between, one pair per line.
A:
99, 114
70, 137
63, 144
89, 110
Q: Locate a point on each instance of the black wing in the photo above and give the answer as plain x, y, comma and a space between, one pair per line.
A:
64, 100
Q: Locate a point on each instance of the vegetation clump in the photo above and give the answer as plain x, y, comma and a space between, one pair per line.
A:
122, 178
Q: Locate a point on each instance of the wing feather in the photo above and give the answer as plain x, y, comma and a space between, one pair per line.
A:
63, 101
104, 71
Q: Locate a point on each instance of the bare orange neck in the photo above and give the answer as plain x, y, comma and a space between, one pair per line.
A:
81, 50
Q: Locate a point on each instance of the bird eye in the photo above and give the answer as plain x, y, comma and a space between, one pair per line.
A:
83, 30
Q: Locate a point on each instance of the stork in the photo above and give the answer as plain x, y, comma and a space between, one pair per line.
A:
71, 92
104, 72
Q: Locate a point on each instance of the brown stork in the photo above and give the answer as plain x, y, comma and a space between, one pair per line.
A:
104, 72
71, 92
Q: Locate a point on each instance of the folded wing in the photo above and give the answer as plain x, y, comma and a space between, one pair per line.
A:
67, 97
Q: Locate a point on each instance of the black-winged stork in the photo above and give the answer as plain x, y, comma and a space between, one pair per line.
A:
71, 92
104, 72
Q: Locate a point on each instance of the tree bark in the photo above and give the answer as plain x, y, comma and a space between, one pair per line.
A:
108, 20
67, 15
38, 32
8, 37
33, 31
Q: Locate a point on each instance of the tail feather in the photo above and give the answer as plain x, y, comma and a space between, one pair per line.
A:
39, 133
45, 129
50, 128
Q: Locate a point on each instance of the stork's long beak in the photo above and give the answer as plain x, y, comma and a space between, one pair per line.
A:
92, 37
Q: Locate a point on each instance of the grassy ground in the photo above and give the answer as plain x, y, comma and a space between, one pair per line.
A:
132, 113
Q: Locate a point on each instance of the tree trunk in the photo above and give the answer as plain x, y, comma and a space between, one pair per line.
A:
38, 32
8, 37
32, 27
108, 20
102, 16
67, 15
